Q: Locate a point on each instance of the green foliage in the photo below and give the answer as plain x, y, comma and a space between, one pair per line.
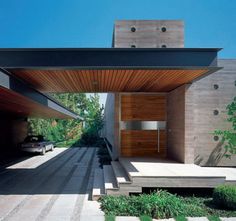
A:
89, 138
93, 123
145, 218
159, 205
228, 137
195, 206
103, 154
94, 116
162, 205
109, 218
214, 218
225, 196
68, 131
181, 218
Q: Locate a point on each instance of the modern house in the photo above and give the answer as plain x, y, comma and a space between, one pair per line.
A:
164, 103
169, 111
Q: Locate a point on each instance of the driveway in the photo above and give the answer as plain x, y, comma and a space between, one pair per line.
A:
56, 186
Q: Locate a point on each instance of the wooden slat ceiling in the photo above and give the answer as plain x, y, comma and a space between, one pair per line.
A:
14, 103
107, 80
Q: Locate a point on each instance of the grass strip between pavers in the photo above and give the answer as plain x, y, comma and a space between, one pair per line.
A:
213, 218
109, 218
181, 218
145, 218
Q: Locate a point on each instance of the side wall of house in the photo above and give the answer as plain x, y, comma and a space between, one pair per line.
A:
111, 123
175, 124
179, 123
209, 98
195, 111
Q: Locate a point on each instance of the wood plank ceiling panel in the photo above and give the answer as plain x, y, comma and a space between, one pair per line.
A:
107, 80
12, 102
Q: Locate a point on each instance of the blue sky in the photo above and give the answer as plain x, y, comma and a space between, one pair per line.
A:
89, 23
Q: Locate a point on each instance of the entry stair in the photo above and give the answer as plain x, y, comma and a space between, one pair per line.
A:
122, 178
112, 180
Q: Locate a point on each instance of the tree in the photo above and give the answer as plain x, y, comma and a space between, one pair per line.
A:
94, 118
60, 130
228, 137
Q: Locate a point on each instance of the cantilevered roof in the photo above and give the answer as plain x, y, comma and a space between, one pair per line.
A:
109, 69
18, 98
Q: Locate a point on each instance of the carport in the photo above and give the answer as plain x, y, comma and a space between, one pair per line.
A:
115, 70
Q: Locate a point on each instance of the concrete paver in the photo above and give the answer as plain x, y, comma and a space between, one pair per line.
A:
197, 219
51, 187
228, 219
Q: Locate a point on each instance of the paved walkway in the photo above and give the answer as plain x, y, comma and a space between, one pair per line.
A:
55, 187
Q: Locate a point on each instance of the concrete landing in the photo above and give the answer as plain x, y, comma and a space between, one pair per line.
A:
166, 173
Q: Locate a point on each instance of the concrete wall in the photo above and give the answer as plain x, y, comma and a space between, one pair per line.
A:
148, 34
205, 99
179, 125
13, 130
176, 124
191, 120
111, 123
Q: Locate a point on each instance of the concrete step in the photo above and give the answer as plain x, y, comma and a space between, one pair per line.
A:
109, 178
98, 184
120, 174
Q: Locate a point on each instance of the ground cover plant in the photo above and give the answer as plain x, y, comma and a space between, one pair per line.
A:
225, 196
162, 204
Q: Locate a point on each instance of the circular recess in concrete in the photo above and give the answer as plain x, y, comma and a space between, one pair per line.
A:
133, 46
163, 46
215, 112
133, 29
216, 138
216, 86
163, 29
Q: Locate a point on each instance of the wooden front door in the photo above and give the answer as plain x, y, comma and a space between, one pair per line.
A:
140, 115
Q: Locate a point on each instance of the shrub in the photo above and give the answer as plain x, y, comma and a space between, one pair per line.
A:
194, 206
159, 205
225, 196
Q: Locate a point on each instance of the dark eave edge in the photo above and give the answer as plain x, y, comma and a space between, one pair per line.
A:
12, 83
109, 58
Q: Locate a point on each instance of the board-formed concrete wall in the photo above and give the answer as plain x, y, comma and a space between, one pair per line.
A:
195, 111
111, 123
176, 124
148, 34
209, 98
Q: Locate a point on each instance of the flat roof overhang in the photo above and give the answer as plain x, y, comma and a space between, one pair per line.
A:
19, 99
109, 69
